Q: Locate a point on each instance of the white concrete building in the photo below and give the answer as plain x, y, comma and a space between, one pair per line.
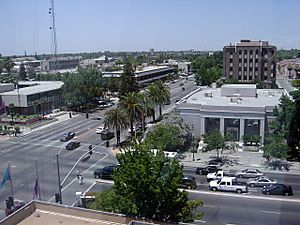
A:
235, 108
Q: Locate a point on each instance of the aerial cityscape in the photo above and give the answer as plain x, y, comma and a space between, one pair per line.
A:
149, 112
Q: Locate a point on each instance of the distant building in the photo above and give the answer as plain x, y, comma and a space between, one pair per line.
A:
237, 109
144, 75
248, 61
60, 63
184, 67
33, 97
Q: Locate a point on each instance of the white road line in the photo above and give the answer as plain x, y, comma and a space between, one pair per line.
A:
209, 206
82, 173
270, 212
244, 196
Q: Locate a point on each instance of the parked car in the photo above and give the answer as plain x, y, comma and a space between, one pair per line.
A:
228, 184
188, 182
206, 170
260, 182
105, 172
249, 173
72, 145
67, 136
278, 189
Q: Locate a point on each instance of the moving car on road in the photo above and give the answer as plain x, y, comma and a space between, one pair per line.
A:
105, 172
206, 170
107, 134
67, 136
72, 145
218, 175
278, 189
260, 182
228, 184
249, 173
188, 182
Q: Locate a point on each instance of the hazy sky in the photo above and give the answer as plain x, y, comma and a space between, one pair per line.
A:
134, 25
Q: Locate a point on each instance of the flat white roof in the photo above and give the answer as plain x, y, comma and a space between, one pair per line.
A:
36, 87
265, 97
143, 69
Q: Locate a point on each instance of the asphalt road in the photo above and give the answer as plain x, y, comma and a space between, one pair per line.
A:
291, 179
43, 145
221, 208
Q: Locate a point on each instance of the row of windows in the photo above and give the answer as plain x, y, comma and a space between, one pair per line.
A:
152, 75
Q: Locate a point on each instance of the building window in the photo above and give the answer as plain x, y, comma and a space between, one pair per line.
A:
232, 128
212, 124
230, 68
252, 126
272, 75
240, 52
230, 73
230, 60
256, 56
245, 56
231, 56
240, 78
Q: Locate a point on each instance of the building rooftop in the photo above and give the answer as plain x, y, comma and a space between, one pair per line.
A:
38, 212
140, 69
213, 97
35, 87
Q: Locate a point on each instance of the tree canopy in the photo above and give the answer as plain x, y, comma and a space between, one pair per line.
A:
146, 185
214, 141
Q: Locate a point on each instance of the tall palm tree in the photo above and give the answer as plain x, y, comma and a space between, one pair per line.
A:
118, 120
159, 94
164, 94
131, 104
146, 107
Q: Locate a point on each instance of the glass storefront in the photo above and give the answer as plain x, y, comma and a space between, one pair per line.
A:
232, 127
212, 124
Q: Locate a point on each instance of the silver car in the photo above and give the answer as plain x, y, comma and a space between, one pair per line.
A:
260, 182
250, 173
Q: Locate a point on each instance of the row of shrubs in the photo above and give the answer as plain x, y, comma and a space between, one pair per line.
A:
4, 130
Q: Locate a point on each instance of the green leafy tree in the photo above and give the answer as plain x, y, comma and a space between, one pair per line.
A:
214, 141
22, 72
7, 64
146, 185
165, 137
127, 80
275, 146
118, 120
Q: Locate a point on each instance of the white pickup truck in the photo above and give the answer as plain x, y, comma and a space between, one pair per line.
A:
228, 184
219, 174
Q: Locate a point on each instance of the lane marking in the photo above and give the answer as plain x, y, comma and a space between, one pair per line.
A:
75, 179
270, 212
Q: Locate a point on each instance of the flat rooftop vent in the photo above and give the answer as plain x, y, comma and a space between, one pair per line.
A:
208, 95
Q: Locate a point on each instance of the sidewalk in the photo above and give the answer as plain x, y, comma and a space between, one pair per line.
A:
236, 161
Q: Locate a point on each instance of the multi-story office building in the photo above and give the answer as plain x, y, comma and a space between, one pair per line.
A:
145, 74
249, 61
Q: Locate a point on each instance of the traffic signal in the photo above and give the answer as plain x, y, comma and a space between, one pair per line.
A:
107, 143
57, 197
90, 150
86, 115
9, 202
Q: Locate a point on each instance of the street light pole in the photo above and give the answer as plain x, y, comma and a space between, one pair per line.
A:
193, 147
58, 173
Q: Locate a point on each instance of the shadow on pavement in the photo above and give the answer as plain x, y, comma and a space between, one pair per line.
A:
277, 164
224, 161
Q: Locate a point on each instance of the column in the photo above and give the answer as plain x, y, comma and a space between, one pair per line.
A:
222, 125
262, 130
202, 125
242, 129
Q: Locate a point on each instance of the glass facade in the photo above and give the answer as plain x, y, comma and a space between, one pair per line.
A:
232, 127
252, 127
212, 124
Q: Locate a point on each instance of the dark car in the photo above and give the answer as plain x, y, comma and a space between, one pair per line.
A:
67, 136
105, 172
188, 182
206, 170
72, 145
107, 134
278, 189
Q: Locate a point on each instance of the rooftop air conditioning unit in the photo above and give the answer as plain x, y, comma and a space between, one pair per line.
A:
208, 95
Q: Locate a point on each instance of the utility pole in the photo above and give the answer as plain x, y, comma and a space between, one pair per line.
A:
53, 30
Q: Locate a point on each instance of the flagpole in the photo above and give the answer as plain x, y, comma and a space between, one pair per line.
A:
11, 186
38, 181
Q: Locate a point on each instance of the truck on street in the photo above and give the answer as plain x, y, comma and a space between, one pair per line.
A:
228, 184
219, 174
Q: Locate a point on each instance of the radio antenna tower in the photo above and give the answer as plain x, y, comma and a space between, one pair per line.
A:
53, 30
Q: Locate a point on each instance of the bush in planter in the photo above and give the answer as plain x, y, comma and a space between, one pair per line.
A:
18, 129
